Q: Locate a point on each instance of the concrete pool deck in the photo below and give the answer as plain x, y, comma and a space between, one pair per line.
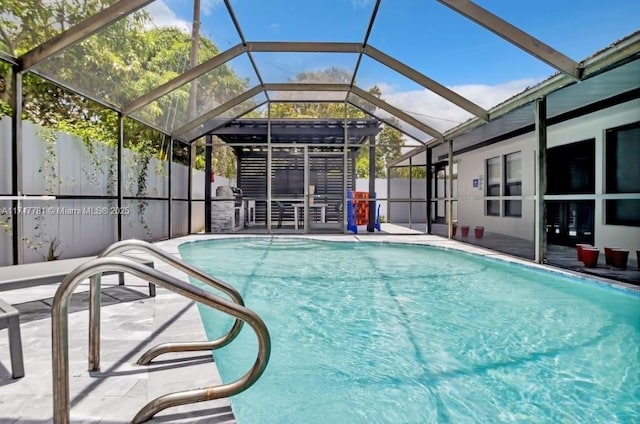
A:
131, 323
557, 256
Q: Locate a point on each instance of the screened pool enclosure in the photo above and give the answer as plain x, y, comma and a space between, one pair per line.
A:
131, 106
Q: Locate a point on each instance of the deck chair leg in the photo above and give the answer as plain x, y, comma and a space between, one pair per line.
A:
15, 347
152, 287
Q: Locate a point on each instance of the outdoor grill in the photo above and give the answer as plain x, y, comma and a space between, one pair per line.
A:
228, 193
237, 208
237, 196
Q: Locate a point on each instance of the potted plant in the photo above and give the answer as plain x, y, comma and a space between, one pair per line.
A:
619, 257
607, 254
579, 249
590, 256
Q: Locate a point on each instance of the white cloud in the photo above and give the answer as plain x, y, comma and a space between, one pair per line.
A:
441, 114
163, 16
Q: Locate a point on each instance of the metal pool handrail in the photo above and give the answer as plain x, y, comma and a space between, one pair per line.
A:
148, 356
60, 342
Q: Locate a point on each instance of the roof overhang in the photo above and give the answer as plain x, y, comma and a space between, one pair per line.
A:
318, 132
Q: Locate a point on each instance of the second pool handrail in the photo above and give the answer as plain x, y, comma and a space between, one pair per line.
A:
94, 305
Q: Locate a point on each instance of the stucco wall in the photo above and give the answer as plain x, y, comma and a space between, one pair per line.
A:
592, 126
471, 208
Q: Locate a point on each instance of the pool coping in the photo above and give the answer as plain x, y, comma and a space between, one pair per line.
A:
432, 241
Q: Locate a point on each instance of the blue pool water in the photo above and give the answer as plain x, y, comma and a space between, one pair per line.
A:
394, 333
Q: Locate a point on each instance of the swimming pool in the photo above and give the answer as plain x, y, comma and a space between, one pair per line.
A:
395, 333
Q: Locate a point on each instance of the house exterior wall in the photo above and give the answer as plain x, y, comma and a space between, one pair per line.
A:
471, 205
594, 125
471, 165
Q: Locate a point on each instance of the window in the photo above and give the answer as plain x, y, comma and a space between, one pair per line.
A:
623, 174
493, 186
513, 183
571, 168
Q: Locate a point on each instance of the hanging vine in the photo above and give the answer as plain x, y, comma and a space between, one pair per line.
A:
49, 171
49, 165
142, 189
6, 224
137, 181
93, 136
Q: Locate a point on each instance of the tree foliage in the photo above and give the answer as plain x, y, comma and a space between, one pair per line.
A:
129, 58
122, 62
388, 145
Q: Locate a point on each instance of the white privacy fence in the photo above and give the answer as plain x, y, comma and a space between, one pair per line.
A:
389, 194
82, 219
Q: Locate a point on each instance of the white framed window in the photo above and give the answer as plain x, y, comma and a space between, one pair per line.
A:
492, 207
623, 174
513, 183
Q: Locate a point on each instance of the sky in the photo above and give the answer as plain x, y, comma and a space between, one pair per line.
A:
424, 34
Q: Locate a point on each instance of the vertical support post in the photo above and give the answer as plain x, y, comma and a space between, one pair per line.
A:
371, 224
208, 171
16, 164
429, 178
120, 191
307, 194
94, 321
193, 59
388, 211
193, 105
345, 169
541, 180
269, 170
410, 191
170, 191
192, 147
450, 194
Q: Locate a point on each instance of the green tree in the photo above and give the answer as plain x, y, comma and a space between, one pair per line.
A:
25, 24
130, 58
388, 146
310, 110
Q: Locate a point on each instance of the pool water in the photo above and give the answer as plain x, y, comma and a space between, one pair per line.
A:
393, 333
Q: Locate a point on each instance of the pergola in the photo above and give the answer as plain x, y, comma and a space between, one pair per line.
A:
214, 116
278, 158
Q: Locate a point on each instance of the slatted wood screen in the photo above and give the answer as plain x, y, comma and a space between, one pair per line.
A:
287, 173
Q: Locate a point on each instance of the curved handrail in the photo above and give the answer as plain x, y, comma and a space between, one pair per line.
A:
60, 341
149, 355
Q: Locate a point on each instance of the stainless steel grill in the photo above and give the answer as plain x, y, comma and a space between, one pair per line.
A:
237, 196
